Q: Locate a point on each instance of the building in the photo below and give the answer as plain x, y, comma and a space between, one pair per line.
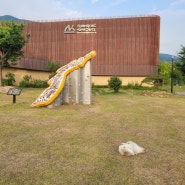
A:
127, 47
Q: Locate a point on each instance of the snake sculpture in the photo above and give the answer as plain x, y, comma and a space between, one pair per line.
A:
56, 84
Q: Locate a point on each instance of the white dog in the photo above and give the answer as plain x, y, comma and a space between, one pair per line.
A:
130, 148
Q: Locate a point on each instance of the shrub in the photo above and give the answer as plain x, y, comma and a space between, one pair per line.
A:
136, 86
155, 80
40, 84
5, 82
133, 86
52, 67
10, 79
114, 83
26, 81
29, 82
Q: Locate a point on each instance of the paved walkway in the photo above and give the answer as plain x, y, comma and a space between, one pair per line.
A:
180, 93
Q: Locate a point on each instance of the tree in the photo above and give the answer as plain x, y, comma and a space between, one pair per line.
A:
12, 41
177, 77
114, 83
165, 69
181, 64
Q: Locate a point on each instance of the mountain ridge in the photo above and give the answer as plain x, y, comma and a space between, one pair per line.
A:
12, 18
167, 57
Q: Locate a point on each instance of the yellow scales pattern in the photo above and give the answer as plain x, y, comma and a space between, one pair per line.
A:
56, 84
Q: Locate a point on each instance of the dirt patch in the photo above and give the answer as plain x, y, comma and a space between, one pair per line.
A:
160, 94
4, 89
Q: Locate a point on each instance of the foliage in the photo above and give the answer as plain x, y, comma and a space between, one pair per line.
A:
177, 77
12, 40
29, 82
52, 67
179, 68
102, 89
26, 82
181, 63
132, 86
10, 79
99, 86
155, 80
136, 86
114, 83
165, 71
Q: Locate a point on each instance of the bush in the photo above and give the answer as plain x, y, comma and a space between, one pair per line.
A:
40, 84
5, 82
133, 86
114, 83
10, 79
155, 80
52, 67
29, 82
136, 86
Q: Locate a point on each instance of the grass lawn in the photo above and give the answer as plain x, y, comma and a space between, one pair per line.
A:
78, 144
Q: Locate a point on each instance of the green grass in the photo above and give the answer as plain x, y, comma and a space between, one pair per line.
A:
78, 144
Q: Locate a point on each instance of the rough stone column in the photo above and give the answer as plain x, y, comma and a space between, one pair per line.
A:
85, 84
77, 88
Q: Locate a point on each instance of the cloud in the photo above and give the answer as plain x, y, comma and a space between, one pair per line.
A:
172, 27
177, 3
117, 2
94, 1
38, 9
172, 14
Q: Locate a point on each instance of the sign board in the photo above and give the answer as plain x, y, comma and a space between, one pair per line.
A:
14, 91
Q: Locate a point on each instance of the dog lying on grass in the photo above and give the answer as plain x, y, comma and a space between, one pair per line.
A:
130, 148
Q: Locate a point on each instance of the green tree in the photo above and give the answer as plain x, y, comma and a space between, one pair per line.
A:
165, 69
177, 77
12, 41
181, 63
114, 83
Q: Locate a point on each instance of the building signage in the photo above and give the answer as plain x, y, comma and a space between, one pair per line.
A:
80, 28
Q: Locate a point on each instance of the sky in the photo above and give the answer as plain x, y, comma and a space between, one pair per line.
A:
171, 12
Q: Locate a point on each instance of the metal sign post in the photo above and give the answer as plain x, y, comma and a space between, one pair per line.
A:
15, 92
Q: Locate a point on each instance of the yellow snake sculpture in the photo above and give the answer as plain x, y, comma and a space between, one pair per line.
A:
56, 84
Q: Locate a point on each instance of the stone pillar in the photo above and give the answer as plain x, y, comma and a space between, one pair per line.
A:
77, 88
85, 84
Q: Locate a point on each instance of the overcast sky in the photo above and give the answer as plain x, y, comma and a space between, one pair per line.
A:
172, 13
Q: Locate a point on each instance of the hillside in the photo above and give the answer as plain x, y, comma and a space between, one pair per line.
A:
166, 57
11, 18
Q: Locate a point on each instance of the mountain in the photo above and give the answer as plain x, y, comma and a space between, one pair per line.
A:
166, 57
11, 18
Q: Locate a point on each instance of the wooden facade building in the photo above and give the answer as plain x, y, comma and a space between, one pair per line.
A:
125, 46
